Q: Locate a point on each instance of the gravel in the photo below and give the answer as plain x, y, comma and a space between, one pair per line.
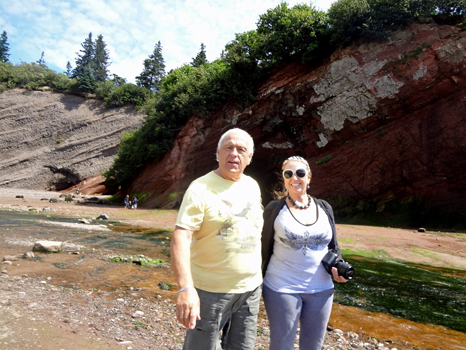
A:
113, 318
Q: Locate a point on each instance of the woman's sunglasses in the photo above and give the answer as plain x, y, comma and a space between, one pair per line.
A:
288, 174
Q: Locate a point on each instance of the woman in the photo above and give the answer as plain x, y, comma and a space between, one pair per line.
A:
298, 231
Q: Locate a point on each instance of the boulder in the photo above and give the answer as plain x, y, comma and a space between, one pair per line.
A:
46, 209
19, 196
84, 221
102, 217
47, 246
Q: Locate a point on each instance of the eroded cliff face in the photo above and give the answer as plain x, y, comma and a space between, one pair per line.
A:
53, 140
381, 124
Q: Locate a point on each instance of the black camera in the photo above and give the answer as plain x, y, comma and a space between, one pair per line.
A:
331, 260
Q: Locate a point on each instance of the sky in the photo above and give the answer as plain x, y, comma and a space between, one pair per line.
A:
130, 28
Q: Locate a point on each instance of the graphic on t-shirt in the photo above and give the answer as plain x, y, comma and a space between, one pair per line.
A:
304, 242
239, 225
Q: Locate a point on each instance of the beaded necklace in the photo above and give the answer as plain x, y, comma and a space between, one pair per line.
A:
300, 206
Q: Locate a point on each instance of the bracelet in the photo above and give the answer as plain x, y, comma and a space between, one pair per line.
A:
184, 288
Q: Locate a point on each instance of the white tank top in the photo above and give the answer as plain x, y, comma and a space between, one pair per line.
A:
296, 262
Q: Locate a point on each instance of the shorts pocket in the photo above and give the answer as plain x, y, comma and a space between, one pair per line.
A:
208, 326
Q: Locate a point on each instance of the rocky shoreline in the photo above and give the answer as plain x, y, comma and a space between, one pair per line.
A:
104, 319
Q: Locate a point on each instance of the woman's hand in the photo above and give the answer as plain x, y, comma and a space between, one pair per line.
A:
337, 277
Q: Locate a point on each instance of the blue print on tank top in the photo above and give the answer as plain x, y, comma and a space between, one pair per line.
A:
304, 242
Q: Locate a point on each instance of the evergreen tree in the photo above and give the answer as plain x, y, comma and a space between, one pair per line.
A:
4, 47
200, 58
154, 70
84, 58
86, 82
41, 61
69, 70
119, 81
100, 60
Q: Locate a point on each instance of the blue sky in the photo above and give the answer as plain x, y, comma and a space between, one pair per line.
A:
130, 28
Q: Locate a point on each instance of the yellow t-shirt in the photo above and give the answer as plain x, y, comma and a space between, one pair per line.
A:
226, 217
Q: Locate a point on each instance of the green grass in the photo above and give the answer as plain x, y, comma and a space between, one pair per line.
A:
325, 159
449, 234
347, 240
366, 253
427, 253
356, 228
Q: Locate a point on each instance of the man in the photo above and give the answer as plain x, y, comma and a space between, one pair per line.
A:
216, 252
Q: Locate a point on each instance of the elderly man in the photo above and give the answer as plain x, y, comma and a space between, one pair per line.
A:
216, 252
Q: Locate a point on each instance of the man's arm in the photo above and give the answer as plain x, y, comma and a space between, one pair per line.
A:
187, 302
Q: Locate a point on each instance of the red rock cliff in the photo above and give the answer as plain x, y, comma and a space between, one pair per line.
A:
382, 125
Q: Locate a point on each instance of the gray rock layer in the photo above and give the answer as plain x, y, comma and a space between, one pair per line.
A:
52, 140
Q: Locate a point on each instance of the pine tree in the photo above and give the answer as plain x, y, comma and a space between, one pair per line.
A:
100, 61
69, 70
200, 58
85, 57
154, 70
86, 82
117, 80
4, 47
41, 61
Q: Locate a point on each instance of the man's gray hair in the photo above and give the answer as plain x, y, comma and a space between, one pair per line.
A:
248, 137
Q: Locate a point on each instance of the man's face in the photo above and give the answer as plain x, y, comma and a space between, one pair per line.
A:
233, 155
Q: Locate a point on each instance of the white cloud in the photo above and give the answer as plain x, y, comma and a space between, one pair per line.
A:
129, 28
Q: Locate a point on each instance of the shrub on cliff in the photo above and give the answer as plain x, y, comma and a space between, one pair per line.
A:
352, 20
115, 94
283, 34
29, 75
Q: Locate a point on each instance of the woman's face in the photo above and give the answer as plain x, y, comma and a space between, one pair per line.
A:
296, 185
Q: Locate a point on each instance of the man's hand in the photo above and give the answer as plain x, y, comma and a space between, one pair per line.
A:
188, 308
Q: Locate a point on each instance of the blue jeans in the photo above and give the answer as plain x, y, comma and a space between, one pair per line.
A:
228, 321
284, 310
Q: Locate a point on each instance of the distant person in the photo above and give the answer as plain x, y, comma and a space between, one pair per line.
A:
127, 202
135, 203
298, 232
215, 251
77, 192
